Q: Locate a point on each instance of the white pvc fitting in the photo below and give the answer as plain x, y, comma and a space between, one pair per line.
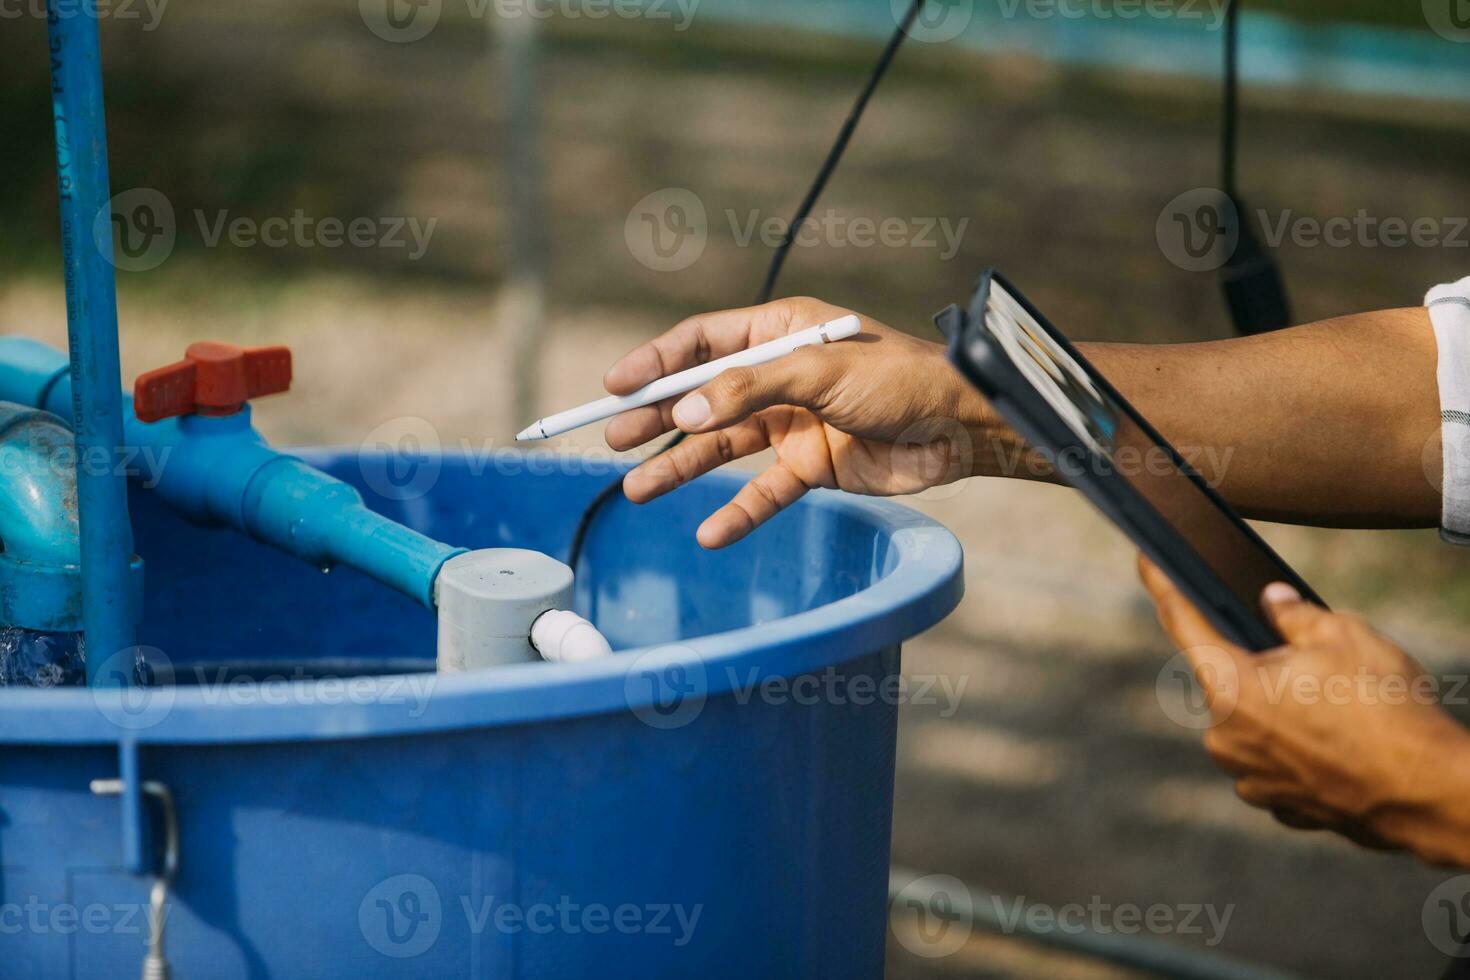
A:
565, 637
488, 601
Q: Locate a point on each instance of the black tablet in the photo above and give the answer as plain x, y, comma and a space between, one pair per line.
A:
1094, 440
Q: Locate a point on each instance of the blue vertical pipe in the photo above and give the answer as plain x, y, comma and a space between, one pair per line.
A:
91, 319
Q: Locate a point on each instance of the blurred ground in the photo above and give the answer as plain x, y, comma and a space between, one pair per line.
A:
1059, 777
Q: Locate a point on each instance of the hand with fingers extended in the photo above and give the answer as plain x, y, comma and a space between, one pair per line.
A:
882, 413
1339, 729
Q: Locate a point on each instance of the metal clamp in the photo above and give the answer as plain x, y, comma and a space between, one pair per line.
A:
155, 964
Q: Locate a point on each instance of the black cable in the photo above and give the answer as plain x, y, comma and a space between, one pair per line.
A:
778, 260
834, 156
1230, 111
1250, 279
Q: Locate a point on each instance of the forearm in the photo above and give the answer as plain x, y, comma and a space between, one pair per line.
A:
1333, 423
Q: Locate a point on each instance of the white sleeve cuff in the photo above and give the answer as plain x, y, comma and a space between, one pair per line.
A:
1449, 312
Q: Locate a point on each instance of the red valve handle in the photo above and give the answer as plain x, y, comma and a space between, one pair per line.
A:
212, 379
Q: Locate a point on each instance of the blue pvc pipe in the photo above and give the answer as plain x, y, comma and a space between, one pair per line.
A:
91, 317
221, 471
36, 522
40, 566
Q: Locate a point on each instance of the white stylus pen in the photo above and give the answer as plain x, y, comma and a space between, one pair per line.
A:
686, 381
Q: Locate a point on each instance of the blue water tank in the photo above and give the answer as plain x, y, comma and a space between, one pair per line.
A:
713, 801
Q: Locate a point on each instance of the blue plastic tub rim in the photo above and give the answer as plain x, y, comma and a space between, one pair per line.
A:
925, 582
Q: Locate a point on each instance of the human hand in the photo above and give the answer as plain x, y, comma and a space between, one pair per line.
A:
1338, 729
882, 413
